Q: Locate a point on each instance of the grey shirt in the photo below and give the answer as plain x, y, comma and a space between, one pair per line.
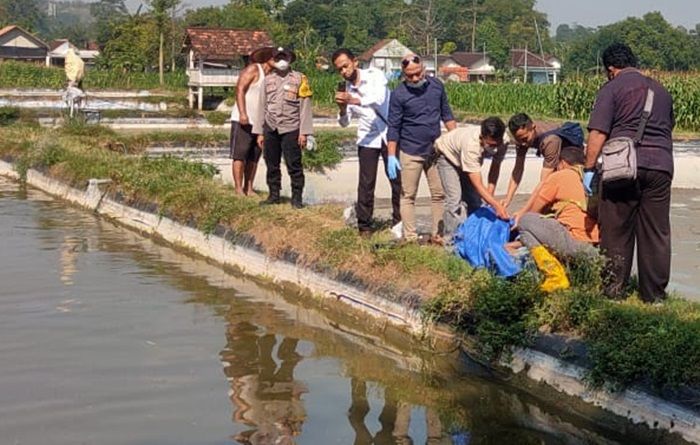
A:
287, 99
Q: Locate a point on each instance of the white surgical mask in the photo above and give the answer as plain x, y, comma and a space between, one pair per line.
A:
282, 65
418, 84
489, 152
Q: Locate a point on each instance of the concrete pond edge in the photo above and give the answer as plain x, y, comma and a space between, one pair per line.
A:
633, 404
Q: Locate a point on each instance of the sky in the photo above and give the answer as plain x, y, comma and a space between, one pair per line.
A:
590, 13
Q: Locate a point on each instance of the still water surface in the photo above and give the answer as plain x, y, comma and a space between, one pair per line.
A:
109, 338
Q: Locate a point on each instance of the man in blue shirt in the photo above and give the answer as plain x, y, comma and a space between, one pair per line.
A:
416, 108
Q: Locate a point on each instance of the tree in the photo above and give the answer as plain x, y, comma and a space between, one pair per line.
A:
656, 43
107, 14
490, 39
448, 48
29, 14
132, 47
161, 13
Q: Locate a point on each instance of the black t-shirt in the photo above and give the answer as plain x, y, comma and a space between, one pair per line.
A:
618, 109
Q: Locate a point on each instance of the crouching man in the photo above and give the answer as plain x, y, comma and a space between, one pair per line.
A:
462, 152
567, 230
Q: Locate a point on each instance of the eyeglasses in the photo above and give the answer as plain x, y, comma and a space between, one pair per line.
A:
414, 59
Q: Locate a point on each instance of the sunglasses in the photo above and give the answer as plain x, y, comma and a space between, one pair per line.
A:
414, 59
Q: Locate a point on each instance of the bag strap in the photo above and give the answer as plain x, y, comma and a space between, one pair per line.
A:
648, 104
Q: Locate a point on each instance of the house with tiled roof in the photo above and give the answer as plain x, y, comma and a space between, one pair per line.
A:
385, 55
19, 44
215, 57
536, 69
59, 48
463, 66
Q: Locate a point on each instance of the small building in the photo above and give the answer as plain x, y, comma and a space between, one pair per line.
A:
215, 57
18, 44
386, 56
58, 49
466, 67
536, 68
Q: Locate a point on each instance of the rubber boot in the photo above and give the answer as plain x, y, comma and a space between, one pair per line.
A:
554, 273
272, 198
296, 199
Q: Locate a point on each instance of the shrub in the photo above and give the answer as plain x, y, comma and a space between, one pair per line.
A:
9, 115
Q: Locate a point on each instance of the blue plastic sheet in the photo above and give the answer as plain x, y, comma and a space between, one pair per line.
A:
480, 240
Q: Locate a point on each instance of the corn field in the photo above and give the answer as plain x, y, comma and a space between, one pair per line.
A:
26, 75
571, 99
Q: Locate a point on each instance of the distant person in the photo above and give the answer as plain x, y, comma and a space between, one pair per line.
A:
287, 123
365, 96
462, 152
571, 232
417, 106
74, 69
244, 149
638, 210
548, 139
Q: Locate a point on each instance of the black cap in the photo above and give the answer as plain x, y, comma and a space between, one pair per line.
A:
287, 53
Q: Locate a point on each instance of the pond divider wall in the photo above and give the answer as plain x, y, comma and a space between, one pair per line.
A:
634, 404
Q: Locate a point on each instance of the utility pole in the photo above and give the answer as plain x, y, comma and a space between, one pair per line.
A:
544, 61
436, 59
526, 53
473, 25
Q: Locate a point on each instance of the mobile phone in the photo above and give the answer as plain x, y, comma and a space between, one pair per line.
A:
340, 87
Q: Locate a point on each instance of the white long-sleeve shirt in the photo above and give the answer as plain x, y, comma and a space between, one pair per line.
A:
374, 98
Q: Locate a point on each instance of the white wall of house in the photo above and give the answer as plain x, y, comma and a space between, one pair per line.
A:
388, 58
18, 41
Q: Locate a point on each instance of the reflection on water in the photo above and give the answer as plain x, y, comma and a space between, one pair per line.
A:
98, 347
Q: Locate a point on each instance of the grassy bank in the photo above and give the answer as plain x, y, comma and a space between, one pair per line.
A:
628, 342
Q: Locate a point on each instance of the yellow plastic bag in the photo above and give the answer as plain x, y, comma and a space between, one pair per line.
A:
551, 268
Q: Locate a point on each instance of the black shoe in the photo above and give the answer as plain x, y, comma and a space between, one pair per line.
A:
296, 201
272, 199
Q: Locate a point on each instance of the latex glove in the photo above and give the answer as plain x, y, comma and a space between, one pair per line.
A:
393, 167
587, 182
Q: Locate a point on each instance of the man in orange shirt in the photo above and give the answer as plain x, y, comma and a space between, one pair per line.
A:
571, 232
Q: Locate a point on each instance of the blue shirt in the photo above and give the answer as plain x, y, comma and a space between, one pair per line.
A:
415, 115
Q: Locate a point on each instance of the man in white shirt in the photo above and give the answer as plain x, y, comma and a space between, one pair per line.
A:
365, 96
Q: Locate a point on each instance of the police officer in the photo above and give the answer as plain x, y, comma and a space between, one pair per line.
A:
287, 123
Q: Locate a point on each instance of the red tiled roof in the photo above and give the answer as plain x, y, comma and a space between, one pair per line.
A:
36, 40
225, 44
367, 55
56, 43
518, 58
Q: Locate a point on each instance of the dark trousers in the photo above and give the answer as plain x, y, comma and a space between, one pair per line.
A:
641, 212
277, 145
369, 159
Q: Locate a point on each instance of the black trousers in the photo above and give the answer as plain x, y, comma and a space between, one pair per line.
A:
276, 146
369, 159
638, 212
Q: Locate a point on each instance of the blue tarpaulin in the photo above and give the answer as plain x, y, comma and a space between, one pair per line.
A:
480, 240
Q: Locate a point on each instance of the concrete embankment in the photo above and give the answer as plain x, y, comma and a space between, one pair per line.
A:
222, 248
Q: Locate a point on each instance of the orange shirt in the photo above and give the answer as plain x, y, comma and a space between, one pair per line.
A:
563, 191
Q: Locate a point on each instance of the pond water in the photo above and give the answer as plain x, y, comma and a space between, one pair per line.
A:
110, 338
